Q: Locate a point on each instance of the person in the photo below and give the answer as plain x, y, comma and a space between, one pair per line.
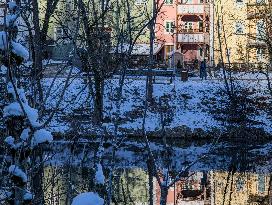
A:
195, 64
203, 70
179, 66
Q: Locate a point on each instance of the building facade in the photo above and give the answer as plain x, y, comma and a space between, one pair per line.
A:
240, 31
259, 22
184, 26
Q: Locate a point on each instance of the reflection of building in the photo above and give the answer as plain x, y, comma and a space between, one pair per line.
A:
239, 188
130, 186
218, 188
190, 190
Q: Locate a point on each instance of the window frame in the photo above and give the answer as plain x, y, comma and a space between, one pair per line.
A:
171, 22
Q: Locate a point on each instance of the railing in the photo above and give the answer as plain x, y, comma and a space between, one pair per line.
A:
256, 40
193, 38
193, 9
197, 30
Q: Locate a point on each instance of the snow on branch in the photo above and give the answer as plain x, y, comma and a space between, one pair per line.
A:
99, 175
41, 136
16, 171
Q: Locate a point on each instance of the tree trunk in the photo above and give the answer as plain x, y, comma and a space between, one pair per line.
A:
164, 193
37, 176
98, 101
150, 181
37, 61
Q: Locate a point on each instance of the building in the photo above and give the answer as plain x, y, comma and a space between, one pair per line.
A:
258, 22
193, 29
240, 29
165, 27
184, 25
230, 31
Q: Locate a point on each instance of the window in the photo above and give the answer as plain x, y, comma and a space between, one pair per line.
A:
188, 25
260, 1
186, 1
228, 52
140, 2
260, 54
239, 28
200, 26
58, 33
69, 6
261, 183
260, 30
168, 2
61, 33
201, 52
240, 184
169, 26
239, 2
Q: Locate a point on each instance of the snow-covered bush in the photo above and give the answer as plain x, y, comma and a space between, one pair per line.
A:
88, 198
25, 131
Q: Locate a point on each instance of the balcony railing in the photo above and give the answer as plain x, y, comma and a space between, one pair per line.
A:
193, 9
196, 30
194, 38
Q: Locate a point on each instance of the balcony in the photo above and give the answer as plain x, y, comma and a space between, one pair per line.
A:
193, 9
197, 38
194, 30
256, 43
255, 40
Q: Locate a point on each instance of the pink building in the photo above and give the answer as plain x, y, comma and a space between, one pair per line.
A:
165, 26
184, 25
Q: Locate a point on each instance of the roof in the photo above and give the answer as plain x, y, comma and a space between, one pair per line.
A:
140, 49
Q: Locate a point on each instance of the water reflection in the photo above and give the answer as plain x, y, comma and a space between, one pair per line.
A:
130, 187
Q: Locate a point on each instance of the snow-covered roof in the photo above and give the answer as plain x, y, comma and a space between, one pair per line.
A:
140, 49
174, 51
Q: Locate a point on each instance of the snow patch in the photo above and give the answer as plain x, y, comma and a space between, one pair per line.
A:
16, 171
25, 134
12, 5
99, 176
41, 136
10, 141
88, 198
4, 194
11, 19
28, 196
20, 50
14, 109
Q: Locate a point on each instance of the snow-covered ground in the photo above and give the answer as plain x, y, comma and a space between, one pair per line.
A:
190, 103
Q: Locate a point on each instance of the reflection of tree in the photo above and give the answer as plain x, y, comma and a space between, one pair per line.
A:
130, 186
240, 53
